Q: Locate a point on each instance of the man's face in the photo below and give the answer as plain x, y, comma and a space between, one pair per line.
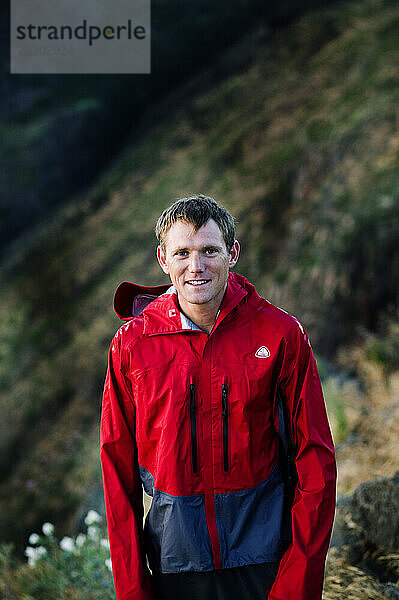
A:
198, 263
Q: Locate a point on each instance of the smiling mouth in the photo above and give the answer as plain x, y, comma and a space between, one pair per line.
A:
198, 282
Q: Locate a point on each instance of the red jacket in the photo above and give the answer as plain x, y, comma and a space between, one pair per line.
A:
193, 419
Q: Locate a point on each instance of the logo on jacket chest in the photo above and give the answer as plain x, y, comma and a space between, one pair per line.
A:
262, 352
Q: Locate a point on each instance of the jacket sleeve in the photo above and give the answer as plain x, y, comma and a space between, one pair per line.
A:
301, 570
121, 482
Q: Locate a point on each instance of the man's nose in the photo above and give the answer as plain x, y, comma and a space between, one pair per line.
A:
196, 263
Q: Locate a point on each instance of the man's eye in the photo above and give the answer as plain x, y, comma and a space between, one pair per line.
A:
181, 253
210, 250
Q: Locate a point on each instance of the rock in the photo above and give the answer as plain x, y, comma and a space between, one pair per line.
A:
374, 507
342, 532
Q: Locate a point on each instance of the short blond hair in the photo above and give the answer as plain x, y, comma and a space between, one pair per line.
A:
196, 210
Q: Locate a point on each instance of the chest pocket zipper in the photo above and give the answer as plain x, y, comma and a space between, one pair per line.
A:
225, 419
193, 429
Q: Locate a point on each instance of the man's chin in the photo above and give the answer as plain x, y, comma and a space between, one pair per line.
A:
197, 297
198, 300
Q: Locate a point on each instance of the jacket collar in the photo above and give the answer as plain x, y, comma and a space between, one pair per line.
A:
160, 309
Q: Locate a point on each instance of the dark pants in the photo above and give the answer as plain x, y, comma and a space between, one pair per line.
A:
251, 582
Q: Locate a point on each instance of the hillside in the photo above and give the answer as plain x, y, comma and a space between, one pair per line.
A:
297, 134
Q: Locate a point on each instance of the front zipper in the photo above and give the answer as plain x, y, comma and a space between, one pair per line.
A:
193, 428
225, 420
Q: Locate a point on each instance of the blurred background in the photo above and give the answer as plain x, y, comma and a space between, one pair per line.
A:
286, 112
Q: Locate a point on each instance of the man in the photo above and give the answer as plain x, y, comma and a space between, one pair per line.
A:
197, 387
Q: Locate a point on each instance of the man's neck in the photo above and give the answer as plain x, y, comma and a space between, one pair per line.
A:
201, 316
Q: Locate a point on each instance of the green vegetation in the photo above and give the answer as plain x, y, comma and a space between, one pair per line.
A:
334, 397
70, 569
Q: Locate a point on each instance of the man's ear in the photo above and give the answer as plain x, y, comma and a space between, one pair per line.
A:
234, 253
162, 260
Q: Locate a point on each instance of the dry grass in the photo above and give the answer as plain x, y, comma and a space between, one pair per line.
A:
371, 450
349, 582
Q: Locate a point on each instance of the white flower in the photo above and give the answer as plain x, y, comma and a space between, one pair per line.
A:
108, 564
30, 551
67, 544
48, 528
34, 554
80, 540
34, 538
92, 517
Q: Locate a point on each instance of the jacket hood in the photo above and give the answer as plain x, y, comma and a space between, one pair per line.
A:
131, 299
